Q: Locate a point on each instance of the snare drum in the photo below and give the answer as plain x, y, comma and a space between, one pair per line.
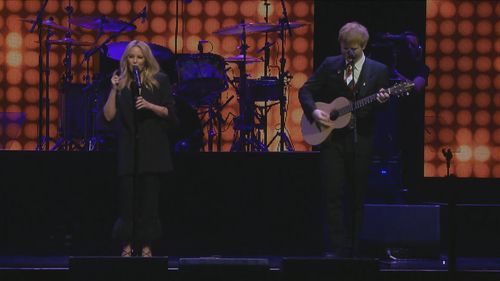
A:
265, 89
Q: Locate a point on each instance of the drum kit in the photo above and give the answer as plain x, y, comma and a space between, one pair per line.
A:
201, 78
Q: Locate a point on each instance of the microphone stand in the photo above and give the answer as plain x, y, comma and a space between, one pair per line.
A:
355, 105
38, 22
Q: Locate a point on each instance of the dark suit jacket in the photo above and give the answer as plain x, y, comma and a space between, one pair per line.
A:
153, 148
327, 83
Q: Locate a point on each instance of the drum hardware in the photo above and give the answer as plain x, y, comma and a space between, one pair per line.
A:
66, 141
244, 125
39, 22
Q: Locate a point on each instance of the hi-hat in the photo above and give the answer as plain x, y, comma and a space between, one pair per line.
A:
69, 41
239, 58
51, 24
116, 49
248, 27
98, 22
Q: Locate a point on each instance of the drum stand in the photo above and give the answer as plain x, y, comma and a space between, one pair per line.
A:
214, 123
64, 142
284, 76
245, 140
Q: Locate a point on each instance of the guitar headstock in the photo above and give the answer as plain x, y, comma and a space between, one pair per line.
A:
401, 88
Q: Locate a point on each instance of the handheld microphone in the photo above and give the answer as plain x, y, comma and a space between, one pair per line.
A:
137, 78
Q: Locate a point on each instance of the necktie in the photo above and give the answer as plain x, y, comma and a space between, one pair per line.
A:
349, 77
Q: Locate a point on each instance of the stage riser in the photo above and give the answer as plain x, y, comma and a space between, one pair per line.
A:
214, 204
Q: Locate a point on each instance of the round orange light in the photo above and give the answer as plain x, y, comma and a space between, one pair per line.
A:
431, 28
466, 9
464, 117
464, 81
447, 28
482, 118
465, 28
463, 136
447, 9
482, 99
484, 9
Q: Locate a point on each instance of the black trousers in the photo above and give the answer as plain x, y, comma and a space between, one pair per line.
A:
139, 219
344, 178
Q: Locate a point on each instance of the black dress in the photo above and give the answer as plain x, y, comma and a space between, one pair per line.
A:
143, 146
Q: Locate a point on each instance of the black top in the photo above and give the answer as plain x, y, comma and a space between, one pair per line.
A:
327, 83
153, 148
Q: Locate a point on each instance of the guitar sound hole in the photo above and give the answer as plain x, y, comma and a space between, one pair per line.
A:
334, 115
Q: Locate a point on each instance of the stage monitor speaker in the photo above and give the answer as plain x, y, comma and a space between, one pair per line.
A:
223, 269
118, 268
409, 231
330, 269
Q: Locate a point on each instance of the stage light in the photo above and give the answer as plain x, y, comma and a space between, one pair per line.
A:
447, 46
464, 117
14, 58
446, 81
484, 45
194, 26
158, 25
466, 9
14, 40
124, 7
14, 6
14, 76
465, 64
212, 8
465, 28
30, 130
158, 7
87, 6
105, 7
484, 9
482, 136
465, 153
13, 94
447, 63
431, 27
464, 81
447, 9
465, 46
31, 112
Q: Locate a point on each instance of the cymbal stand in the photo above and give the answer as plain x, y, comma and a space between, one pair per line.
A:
284, 76
244, 124
46, 140
65, 142
38, 23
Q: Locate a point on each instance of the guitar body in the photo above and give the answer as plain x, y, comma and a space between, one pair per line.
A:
315, 133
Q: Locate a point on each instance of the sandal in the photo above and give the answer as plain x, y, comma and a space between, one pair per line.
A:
127, 251
146, 252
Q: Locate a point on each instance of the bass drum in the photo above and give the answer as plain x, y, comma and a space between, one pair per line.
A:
188, 135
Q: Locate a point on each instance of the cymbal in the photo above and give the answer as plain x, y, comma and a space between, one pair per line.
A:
51, 24
239, 58
69, 41
293, 25
249, 28
107, 24
116, 49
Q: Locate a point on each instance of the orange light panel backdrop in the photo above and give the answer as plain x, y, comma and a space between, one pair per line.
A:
463, 94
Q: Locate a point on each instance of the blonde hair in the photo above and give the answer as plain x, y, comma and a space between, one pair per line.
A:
354, 32
151, 67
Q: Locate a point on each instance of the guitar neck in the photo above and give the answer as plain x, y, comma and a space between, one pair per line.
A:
358, 104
